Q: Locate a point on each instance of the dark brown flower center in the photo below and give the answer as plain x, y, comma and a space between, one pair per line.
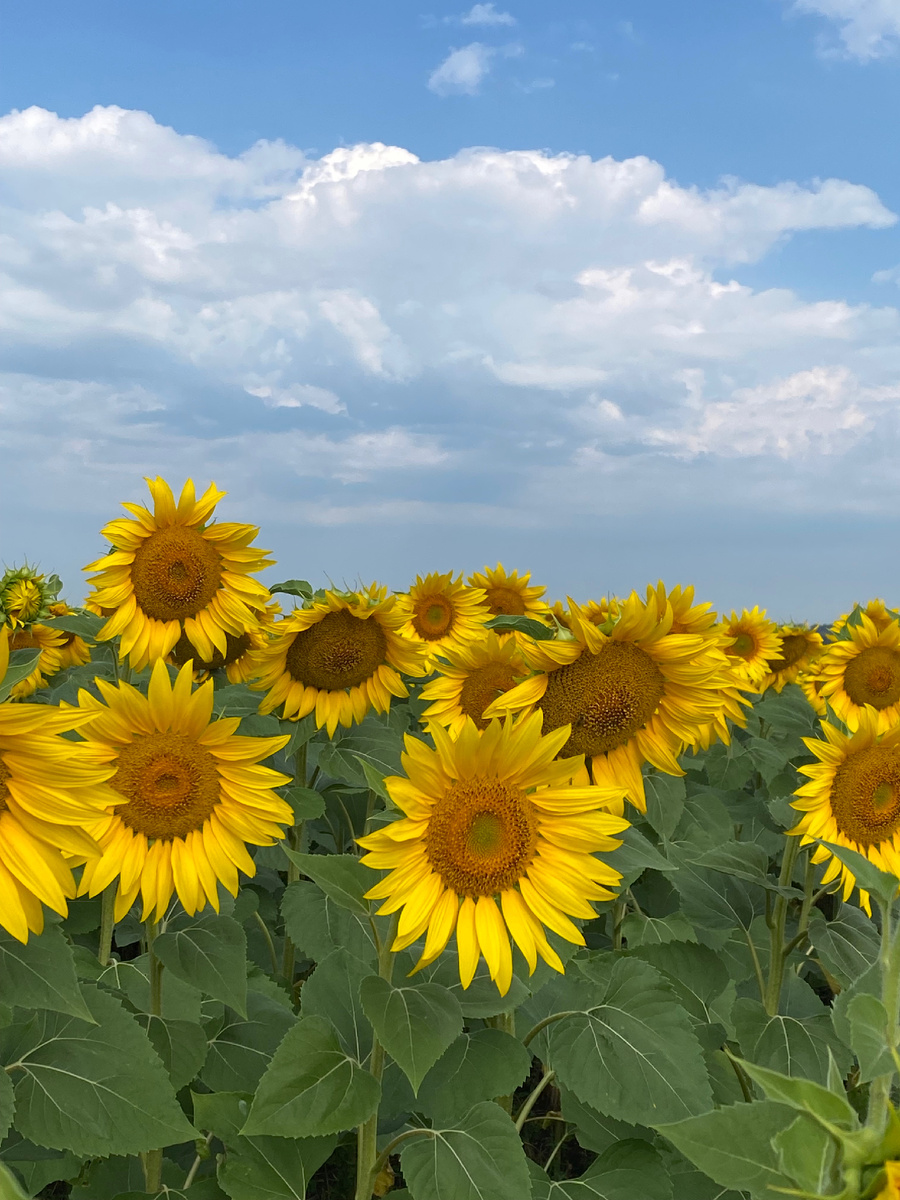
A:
184, 652
340, 651
433, 617
873, 677
175, 573
793, 647
865, 795
505, 601
483, 685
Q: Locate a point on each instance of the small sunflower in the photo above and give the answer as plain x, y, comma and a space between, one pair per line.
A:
442, 612
498, 839
863, 670
339, 657
509, 595
469, 678
50, 789
26, 595
638, 694
877, 612
752, 642
51, 643
170, 573
853, 798
190, 794
74, 651
800, 645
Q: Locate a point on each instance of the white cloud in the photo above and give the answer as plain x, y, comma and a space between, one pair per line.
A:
461, 72
296, 396
486, 14
868, 29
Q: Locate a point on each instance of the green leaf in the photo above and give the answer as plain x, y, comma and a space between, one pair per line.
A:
481, 998
293, 587
743, 860
333, 992
259, 1168
312, 1087
623, 1172
180, 1001
640, 930
709, 900
9, 1185
594, 1130
210, 953
879, 883
806, 1153
665, 802
373, 741
37, 1166
847, 946
340, 876
700, 981
415, 1023
802, 1094
478, 1157
181, 1045
235, 700
733, 1146
506, 622
317, 925
306, 802
240, 1049
869, 1037
628, 1048
21, 664
637, 854
794, 1045
767, 757
85, 624
375, 780
40, 974
95, 1089
477, 1066
7, 1105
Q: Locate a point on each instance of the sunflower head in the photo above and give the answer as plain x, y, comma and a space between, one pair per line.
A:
800, 645
862, 669
751, 643
499, 838
891, 1189
877, 612
509, 595
51, 643
441, 611
469, 678
26, 595
853, 798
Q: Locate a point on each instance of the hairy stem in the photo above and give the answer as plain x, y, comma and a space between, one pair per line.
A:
778, 954
293, 872
107, 922
531, 1100
367, 1159
152, 1160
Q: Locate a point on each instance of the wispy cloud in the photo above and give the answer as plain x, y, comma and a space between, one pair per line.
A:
461, 72
867, 29
486, 14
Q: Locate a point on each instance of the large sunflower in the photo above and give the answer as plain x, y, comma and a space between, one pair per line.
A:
864, 669
338, 658
638, 694
190, 793
469, 678
751, 642
509, 595
170, 574
800, 645
853, 798
51, 643
498, 838
442, 612
50, 788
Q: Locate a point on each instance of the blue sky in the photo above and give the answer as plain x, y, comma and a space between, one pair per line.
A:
607, 291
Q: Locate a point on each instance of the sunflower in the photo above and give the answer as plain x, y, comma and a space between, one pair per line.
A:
469, 678
51, 643
25, 595
598, 612
800, 645
190, 793
498, 838
442, 612
339, 657
687, 617
751, 642
50, 788
877, 612
853, 798
74, 651
638, 694
864, 669
171, 574
238, 660
510, 595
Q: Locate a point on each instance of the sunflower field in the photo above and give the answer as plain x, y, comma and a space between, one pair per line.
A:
444, 894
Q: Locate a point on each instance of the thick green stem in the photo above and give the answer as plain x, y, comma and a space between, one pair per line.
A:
620, 908
294, 837
530, 1101
367, 1167
777, 954
506, 1022
152, 1160
880, 1088
107, 922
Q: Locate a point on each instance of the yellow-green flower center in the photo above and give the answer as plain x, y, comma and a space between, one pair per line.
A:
744, 646
340, 651
433, 617
481, 837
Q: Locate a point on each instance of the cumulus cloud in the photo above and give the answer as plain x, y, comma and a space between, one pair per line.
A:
486, 14
508, 339
867, 29
461, 72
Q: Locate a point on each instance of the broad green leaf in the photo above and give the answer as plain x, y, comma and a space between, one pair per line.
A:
21, 664
342, 877
478, 1157
293, 587
869, 1037
701, 983
373, 741
181, 1045
85, 624
637, 854
514, 621
640, 930
847, 946
594, 1130
710, 900
743, 860
665, 802
477, 1066
375, 780
40, 974
415, 1023
806, 1153
259, 1168
481, 998
333, 992
798, 1046
235, 700
768, 757
627, 1048
623, 1172
802, 1094
879, 883
180, 1001
306, 802
37, 1166
733, 1146
316, 924
95, 1089
312, 1087
240, 1049
209, 953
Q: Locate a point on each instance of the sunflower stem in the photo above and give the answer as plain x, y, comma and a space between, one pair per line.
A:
530, 1101
294, 840
620, 908
107, 923
367, 1133
880, 1089
778, 949
506, 1023
152, 1160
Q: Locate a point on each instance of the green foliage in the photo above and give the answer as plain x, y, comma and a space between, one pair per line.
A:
477, 1157
415, 1024
209, 953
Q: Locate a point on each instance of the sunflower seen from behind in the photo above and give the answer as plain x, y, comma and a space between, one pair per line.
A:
638, 694
498, 840
442, 612
191, 794
471, 677
852, 799
338, 657
863, 669
172, 573
51, 789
